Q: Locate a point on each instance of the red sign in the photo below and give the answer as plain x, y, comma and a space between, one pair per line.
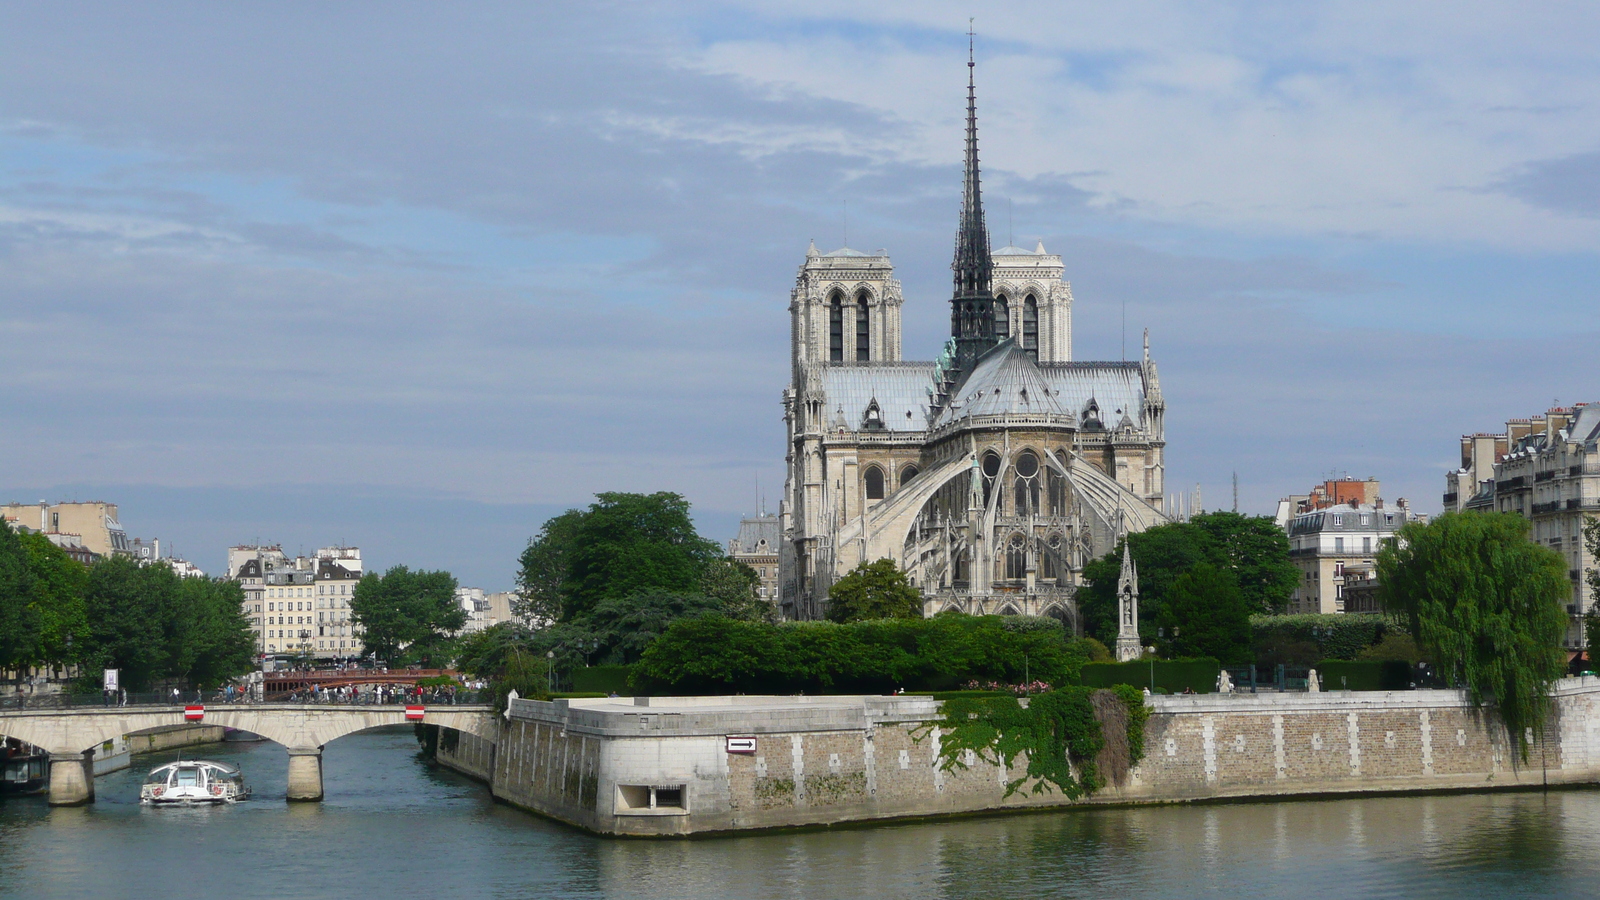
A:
742, 745
194, 713
414, 713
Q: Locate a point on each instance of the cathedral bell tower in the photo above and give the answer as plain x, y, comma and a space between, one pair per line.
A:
972, 304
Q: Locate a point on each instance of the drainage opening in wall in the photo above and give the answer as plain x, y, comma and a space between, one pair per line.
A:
652, 800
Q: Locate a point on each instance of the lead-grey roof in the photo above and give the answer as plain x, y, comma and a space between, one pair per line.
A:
1006, 381
1117, 387
756, 529
902, 387
899, 388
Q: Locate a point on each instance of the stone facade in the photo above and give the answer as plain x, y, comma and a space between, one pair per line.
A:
664, 767
990, 475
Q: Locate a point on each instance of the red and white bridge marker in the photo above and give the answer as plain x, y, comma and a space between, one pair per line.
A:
414, 713
194, 713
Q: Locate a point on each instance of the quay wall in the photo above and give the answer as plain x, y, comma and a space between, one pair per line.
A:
597, 764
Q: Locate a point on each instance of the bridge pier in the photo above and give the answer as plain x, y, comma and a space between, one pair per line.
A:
305, 774
71, 778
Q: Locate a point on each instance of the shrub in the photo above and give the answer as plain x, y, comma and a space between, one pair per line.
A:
1341, 636
1172, 675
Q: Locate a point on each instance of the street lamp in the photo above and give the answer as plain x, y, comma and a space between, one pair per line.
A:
550, 671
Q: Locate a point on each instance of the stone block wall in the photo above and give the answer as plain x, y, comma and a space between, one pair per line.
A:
593, 766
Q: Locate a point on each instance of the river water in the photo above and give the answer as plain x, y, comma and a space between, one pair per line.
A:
391, 826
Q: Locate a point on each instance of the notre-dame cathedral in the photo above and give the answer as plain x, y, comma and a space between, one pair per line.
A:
991, 474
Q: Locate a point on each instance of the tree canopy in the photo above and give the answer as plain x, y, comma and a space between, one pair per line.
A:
623, 544
1205, 616
1252, 549
408, 616
19, 620
875, 590
1487, 605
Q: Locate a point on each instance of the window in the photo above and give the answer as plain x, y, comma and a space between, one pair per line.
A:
863, 341
1030, 324
1338, 545
874, 480
991, 470
1002, 317
1366, 545
1027, 484
1016, 559
907, 473
836, 330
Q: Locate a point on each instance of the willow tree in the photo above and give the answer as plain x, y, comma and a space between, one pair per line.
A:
1488, 605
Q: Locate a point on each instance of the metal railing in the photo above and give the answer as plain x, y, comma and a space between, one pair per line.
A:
149, 699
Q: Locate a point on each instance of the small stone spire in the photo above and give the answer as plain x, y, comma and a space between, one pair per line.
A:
1128, 645
811, 251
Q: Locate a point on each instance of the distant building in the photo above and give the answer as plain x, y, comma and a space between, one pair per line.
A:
1547, 469
1335, 547
500, 606
150, 552
94, 523
757, 547
1334, 492
475, 603
299, 605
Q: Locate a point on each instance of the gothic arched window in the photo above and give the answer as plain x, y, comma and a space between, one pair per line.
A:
1002, 318
991, 471
874, 480
1016, 559
863, 342
1050, 558
1030, 324
907, 473
1027, 484
836, 330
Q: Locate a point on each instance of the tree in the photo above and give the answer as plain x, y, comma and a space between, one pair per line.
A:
1487, 605
1256, 551
132, 621
1206, 615
543, 574
732, 585
623, 544
408, 612
58, 588
218, 644
1252, 548
876, 590
19, 619
1591, 621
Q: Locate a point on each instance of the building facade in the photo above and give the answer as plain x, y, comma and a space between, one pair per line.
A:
757, 547
1335, 549
991, 474
94, 523
1545, 468
299, 605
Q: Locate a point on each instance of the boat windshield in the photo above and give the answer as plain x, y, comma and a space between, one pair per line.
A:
188, 777
159, 776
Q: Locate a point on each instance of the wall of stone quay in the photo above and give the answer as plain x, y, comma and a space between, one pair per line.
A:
173, 736
828, 760
468, 754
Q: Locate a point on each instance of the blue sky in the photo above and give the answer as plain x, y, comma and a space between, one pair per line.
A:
419, 280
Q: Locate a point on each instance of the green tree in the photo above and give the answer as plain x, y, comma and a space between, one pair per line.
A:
542, 577
1591, 622
1256, 551
132, 620
732, 585
1487, 605
875, 590
19, 619
623, 544
217, 643
1206, 615
58, 589
408, 616
1252, 548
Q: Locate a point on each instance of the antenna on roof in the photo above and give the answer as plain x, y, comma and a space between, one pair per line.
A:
847, 223
1124, 329
1011, 234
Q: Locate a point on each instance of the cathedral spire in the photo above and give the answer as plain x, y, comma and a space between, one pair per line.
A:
972, 304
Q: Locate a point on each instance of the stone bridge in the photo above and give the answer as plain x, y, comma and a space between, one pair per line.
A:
70, 736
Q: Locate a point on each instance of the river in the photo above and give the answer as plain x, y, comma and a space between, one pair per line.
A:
392, 826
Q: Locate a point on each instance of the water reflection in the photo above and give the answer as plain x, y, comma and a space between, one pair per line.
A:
392, 825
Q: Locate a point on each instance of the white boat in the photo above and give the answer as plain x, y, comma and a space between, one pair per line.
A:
190, 781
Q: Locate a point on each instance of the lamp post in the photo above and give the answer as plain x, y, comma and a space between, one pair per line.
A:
550, 671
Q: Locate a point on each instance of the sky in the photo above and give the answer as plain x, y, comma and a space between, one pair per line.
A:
418, 277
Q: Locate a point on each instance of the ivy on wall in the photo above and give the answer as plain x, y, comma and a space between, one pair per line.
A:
1059, 733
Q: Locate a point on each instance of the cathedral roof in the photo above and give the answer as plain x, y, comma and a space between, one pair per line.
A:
1116, 387
758, 534
1006, 381
1014, 250
899, 388
846, 251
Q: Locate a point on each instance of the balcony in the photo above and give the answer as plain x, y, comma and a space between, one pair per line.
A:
1540, 509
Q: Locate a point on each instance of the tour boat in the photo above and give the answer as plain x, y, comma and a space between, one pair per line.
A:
24, 769
189, 781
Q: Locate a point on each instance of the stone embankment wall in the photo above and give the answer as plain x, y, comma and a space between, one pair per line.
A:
664, 768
